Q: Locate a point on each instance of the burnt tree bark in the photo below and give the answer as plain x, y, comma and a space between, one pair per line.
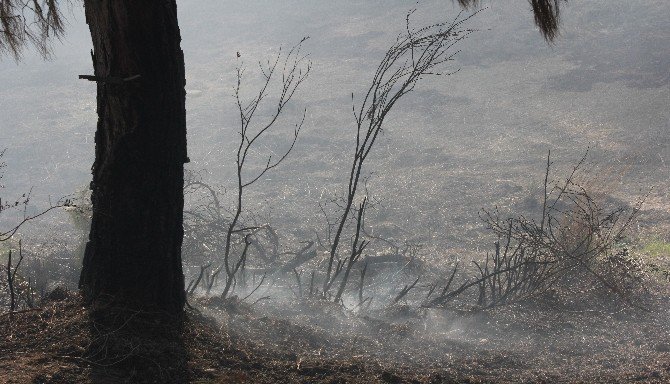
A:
133, 255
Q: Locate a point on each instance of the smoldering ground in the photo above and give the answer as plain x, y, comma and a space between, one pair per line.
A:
477, 139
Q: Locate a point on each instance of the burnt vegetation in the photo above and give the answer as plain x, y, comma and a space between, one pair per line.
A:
349, 303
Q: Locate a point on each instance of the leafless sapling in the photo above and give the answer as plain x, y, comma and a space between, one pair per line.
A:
294, 68
416, 54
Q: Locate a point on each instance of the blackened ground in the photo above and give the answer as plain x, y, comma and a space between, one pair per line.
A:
63, 342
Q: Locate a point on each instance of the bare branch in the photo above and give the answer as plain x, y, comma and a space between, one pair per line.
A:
415, 55
295, 69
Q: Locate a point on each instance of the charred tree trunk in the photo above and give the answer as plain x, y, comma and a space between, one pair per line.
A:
133, 256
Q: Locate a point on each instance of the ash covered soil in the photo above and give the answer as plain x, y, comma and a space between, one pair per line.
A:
317, 342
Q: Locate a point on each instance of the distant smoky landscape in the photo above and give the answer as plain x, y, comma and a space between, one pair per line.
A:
432, 280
